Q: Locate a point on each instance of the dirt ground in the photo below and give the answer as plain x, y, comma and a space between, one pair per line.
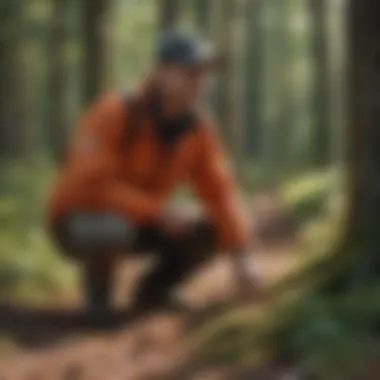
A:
147, 349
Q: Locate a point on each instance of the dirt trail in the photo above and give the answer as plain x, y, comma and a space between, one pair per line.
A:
146, 349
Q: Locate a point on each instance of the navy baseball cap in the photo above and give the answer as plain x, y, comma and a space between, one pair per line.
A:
180, 48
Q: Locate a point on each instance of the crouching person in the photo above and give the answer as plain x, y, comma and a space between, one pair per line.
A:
128, 154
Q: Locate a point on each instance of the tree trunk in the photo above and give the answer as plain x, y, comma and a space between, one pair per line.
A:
57, 128
283, 128
94, 48
14, 123
226, 90
321, 100
168, 14
279, 101
202, 16
364, 118
253, 108
7, 28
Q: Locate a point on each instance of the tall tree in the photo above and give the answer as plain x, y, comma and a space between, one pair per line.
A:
279, 97
57, 128
6, 83
364, 118
202, 16
94, 47
226, 87
22, 133
321, 100
14, 125
253, 108
168, 14
284, 84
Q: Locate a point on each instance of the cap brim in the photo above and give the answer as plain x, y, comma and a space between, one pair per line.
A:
202, 55
212, 61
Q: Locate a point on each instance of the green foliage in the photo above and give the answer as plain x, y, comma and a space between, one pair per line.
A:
316, 202
296, 190
330, 336
29, 266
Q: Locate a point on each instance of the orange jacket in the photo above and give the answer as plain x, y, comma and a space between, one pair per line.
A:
99, 175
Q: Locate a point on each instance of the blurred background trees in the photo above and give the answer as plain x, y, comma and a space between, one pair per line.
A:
273, 100
328, 327
278, 101
168, 14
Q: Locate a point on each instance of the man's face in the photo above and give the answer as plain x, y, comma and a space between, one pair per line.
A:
180, 86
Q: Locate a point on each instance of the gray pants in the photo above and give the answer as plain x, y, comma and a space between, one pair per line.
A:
96, 243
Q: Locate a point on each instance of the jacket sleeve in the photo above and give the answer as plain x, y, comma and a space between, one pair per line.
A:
92, 163
213, 180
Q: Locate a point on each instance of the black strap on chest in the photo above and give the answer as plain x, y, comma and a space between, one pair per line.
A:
169, 132
132, 126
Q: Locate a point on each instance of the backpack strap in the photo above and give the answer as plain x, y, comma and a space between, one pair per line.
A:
168, 132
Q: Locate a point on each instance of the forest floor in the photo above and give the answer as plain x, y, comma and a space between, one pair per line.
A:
152, 348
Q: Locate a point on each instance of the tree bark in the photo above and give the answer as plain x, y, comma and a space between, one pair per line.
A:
226, 90
14, 122
168, 14
321, 99
253, 108
94, 48
202, 16
56, 123
6, 82
283, 128
364, 118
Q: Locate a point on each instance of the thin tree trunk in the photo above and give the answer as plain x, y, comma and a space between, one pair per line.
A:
202, 16
253, 108
57, 128
230, 130
321, 99
94, 48
168, 14
14, 125
22, 136
285, 89
6, 82
279, 97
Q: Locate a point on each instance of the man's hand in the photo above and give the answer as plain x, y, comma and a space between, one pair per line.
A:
249, 286
175, 222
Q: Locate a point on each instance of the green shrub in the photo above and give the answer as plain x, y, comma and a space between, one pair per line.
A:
29, 265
